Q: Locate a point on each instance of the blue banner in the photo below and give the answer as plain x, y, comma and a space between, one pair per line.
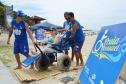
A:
39, 34
107, 56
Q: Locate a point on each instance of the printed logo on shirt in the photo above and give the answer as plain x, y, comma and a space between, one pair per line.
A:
17, 32
67, 26
21, 27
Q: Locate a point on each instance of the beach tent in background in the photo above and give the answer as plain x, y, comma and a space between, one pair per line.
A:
37, 18
34, 20
44, 25
107, 57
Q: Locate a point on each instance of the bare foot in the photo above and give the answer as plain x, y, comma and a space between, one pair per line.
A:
82, 64
18, 67
76, 67
31, 68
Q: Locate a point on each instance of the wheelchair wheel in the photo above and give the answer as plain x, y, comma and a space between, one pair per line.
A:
64, 62
42, 64
51, 58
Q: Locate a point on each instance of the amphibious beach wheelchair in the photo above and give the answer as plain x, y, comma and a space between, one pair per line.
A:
48, 57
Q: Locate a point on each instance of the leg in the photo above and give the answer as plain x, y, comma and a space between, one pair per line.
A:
81, 59
18, 61
77, 58
24, 49
27, 55
79, 47
80, 54
66, 52
16, 53
72, 55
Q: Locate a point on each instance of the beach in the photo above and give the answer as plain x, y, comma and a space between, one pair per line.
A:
7, 57
10, 61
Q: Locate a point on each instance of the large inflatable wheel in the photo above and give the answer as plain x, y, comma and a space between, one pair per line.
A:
41, 64
64, 62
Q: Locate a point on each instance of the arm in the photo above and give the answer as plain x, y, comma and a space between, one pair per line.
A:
10, 34
29, 33
57, 39
74, 29
64, 25
65, 28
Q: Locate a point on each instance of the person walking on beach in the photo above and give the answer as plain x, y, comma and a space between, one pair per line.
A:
78, 37
19, 27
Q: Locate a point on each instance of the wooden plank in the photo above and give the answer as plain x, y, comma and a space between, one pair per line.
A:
32, 75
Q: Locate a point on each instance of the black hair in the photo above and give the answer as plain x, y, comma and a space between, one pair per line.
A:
66, 13
71, 14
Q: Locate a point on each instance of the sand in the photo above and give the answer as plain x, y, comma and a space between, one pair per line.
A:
88, 44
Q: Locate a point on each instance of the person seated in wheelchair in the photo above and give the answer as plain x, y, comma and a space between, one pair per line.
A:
55, 37
56, 42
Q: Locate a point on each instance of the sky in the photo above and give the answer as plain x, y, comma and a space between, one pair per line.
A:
92, 14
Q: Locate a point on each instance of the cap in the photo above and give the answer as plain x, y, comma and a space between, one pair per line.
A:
20, 13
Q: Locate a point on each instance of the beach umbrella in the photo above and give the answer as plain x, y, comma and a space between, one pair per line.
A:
36, 18
44, 25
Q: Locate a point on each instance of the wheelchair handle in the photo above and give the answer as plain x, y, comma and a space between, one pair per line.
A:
37, 47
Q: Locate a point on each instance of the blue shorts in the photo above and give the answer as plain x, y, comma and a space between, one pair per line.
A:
78, 46
71, 42
21, 47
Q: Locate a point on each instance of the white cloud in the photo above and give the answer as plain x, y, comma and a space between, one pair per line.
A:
90, 13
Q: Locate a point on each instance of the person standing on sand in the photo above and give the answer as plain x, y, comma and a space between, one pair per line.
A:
20, 27
78, 37
66, 27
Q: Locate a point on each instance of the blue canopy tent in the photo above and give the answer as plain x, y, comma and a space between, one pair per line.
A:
44, 25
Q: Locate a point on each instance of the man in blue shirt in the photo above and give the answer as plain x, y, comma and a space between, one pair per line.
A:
78, 37
19, 27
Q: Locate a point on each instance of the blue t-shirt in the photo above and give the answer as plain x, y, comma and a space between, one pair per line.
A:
67, 25
19, 30
79, 35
